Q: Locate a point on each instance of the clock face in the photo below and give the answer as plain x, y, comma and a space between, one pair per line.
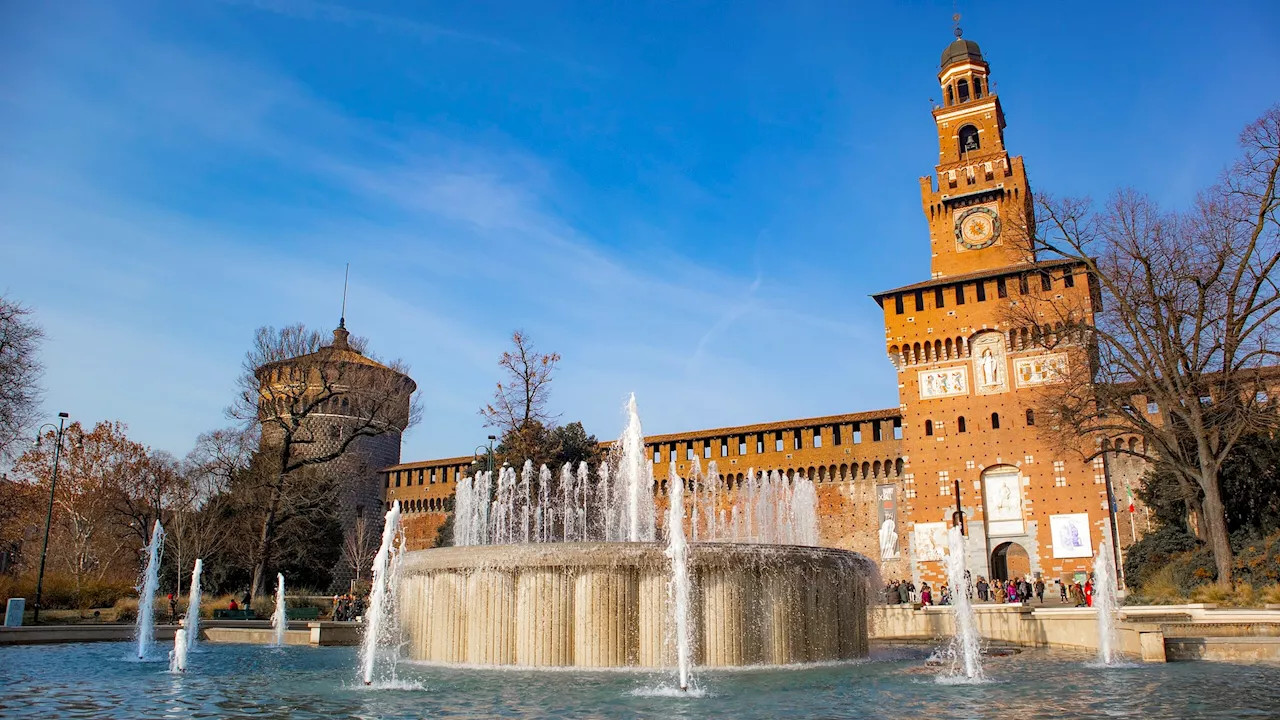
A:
978, 227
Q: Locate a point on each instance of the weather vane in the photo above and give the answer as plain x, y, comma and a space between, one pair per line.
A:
956, 19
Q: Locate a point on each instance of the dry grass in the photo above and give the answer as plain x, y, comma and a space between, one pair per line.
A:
1270, 594
1241, 595
1161, 589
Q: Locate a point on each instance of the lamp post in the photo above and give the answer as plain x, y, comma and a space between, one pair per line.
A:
48, 518
488, 450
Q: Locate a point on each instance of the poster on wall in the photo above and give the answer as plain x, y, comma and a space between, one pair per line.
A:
1071, 535
931, 541
888, 501
1003, 487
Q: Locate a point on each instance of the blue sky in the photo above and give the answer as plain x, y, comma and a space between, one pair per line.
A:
688, 201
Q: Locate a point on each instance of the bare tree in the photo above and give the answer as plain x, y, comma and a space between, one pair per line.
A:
195, 530
20, 372
312, 401
359, 545
1180, 322
523, 398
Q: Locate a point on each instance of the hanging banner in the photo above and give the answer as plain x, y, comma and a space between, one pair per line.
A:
888, 501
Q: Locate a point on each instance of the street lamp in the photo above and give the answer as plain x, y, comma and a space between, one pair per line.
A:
48, 518
488, 450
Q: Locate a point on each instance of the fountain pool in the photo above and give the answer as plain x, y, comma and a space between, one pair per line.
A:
234, 681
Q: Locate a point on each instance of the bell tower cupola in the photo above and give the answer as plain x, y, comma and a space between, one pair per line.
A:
979, 202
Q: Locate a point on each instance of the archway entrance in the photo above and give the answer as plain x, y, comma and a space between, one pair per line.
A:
1009, 560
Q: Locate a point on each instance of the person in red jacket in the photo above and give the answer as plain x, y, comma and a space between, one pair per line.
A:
234, 605
1088, 592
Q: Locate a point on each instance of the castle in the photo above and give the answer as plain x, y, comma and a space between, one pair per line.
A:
964, 436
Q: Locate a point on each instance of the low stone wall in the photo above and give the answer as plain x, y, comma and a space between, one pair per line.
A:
300, 632
1153, 633
105, 632
254, 636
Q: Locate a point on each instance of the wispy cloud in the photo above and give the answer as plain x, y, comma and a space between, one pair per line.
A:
163, 204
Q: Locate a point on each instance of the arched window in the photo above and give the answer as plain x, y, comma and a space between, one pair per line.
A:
995, 421
951, 98
960, 427
1031, 417
897, 466
969, 139
928, 427
962, 90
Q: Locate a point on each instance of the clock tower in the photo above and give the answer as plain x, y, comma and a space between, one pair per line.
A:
979, 203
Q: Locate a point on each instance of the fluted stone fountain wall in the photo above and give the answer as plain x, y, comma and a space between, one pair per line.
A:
606, 604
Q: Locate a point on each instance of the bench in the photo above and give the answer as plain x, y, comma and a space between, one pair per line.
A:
233, 615
303, 613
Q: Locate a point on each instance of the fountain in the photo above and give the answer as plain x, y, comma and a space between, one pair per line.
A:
192, 621
965, 650
380, 625
1104, 602
178, 655
678, 552
593, 587
147, 586
280, 618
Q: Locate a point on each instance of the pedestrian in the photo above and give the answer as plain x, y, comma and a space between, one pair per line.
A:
233, 605
173, 608
1062, 590
248, 598
911, 591
983, 589
926, 597
904, 593
1000, 593
1088, 592
1040, 589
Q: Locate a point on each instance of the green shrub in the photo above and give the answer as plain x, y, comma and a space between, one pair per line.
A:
1154, 551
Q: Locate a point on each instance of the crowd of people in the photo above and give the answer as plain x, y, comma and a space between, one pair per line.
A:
1013, 590
348, 607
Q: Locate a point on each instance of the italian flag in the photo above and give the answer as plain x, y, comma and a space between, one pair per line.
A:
1129, 491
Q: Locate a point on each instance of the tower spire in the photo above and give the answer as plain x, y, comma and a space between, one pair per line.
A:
340, 333
342, 319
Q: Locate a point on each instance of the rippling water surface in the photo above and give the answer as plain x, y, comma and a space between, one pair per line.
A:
246, 681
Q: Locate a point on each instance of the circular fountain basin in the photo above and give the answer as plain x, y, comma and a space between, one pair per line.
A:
606, 604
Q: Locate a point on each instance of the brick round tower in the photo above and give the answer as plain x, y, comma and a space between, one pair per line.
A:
339, 404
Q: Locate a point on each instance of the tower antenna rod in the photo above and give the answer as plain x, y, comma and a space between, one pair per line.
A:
342, 319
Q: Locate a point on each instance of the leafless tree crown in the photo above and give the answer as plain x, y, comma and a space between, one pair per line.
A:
1180, 320
523, 397
20, 372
